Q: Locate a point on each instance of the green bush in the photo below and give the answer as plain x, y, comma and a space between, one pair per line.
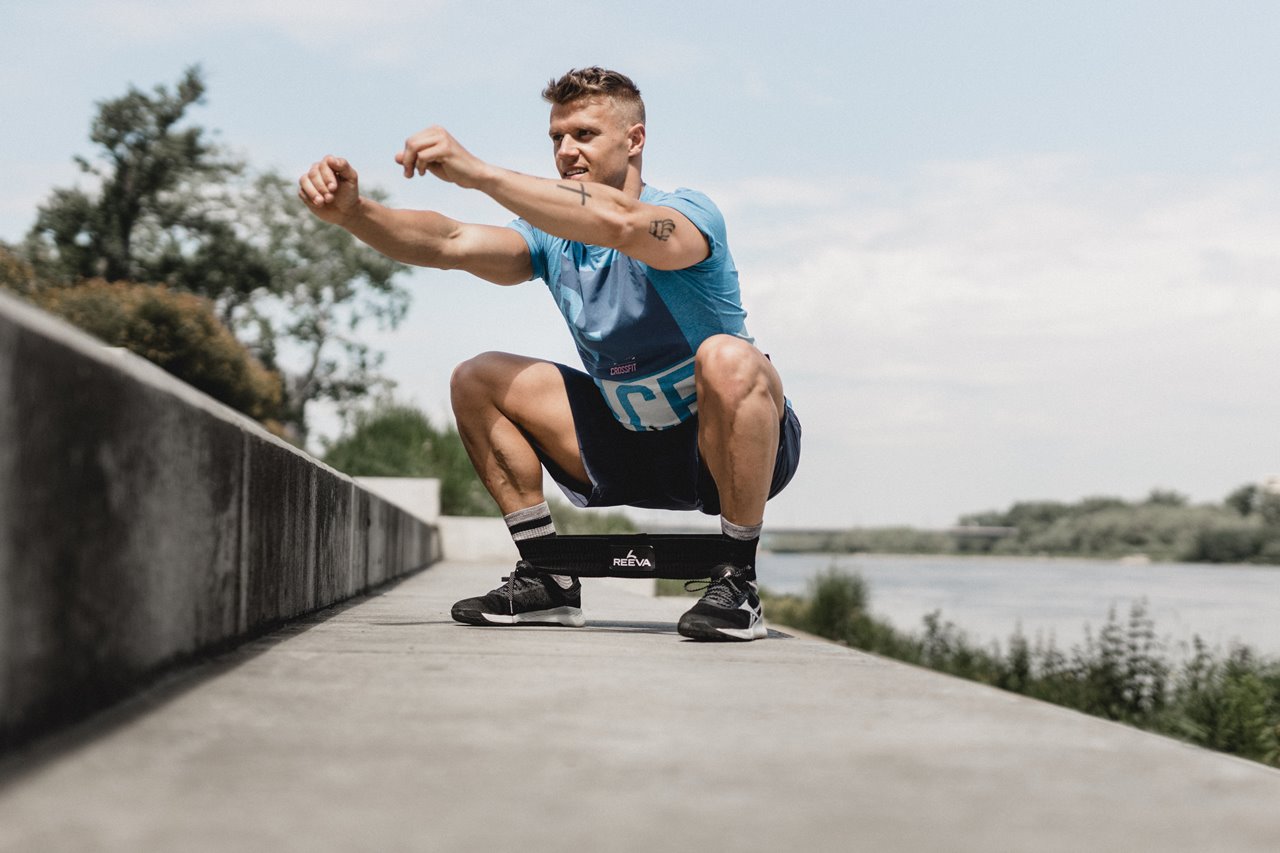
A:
1240, 543
17, 275
177, 331
394, 440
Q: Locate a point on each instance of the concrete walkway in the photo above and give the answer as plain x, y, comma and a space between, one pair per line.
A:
384, 726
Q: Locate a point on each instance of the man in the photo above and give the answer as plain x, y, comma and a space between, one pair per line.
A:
677, 409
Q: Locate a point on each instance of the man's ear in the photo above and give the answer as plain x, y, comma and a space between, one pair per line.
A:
635, 137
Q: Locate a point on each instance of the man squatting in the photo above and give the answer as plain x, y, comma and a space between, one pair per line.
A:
677, 408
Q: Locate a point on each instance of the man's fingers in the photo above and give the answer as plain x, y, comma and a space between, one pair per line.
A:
407, 158
309, 186
421, 150
414, 159
338, 169
324, 177
318, 185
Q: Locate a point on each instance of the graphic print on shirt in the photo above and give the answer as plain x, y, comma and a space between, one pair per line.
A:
644, 372
629, 342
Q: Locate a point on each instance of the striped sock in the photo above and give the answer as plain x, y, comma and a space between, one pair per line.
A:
534, 522
530, 523
742, 542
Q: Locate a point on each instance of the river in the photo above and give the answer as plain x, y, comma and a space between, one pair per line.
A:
989, 598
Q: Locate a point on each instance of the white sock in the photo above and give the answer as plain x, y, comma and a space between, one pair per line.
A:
740, 532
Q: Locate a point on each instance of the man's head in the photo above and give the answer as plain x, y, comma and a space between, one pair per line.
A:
597, 127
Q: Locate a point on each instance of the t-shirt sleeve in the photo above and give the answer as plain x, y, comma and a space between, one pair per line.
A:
537, 247
704, 215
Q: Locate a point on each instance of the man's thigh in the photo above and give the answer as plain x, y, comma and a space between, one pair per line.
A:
529, 393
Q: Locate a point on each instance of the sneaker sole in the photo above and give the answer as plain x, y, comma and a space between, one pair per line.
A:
758, 631
570, 617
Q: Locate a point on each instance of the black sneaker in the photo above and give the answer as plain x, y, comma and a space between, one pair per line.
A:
728, 610
524, 599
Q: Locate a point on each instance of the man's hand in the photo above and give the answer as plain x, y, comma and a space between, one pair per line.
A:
434, 150
330, 189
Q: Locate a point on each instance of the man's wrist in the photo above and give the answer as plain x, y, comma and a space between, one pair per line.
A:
489, 178
350, 219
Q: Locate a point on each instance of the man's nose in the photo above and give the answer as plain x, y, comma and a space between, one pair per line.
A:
567, 148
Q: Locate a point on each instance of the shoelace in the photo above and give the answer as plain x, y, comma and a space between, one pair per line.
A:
513, 580
722, 593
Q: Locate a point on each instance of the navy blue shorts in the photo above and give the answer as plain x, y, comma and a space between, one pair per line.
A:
658, 469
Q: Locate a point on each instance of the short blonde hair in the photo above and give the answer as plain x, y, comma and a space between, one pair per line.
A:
596, 81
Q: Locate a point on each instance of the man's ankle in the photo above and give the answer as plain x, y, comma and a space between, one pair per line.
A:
741, 542
531, 523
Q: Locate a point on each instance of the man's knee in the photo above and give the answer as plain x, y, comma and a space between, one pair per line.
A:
730, 367
473, 379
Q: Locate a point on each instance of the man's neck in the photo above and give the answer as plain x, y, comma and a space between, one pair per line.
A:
633, 184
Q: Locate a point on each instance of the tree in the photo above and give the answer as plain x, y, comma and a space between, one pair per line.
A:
325, 286
171, 208
393, 440
1269, 508
1166, 497
161, 212
1244, 500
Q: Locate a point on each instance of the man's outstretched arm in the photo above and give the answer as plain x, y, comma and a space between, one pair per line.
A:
330, 189
585, 212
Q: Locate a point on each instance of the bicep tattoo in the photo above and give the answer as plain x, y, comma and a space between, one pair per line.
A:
661, 229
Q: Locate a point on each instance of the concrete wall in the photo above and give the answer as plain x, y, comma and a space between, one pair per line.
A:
418, 496
142, 523
475, 539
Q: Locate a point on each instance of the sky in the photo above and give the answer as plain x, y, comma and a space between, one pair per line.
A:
999, 251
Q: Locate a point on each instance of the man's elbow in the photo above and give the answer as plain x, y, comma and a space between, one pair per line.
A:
618, 229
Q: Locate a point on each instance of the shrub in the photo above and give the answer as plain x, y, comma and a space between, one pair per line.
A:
177, 331
393, 440
17, 275
1228, 544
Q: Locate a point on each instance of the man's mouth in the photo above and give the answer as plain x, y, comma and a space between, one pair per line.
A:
575, 172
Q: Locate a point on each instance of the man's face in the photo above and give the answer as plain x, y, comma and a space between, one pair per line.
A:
593, 141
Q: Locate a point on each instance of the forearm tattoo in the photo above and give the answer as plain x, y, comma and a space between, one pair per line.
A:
661, 228
579, 189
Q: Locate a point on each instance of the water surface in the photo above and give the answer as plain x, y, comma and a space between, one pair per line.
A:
1051, 598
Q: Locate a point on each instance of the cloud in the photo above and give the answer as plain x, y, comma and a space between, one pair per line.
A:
370, 30
1094, 326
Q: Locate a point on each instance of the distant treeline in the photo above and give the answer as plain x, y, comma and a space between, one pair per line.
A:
1244, 528
1229, 703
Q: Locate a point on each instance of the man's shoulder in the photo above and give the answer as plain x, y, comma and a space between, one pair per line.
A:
699, 209
694, 204
652, 195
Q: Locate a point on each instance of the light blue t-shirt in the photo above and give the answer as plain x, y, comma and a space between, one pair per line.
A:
637, 328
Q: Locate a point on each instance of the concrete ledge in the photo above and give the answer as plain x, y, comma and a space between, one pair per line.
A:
142, 522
